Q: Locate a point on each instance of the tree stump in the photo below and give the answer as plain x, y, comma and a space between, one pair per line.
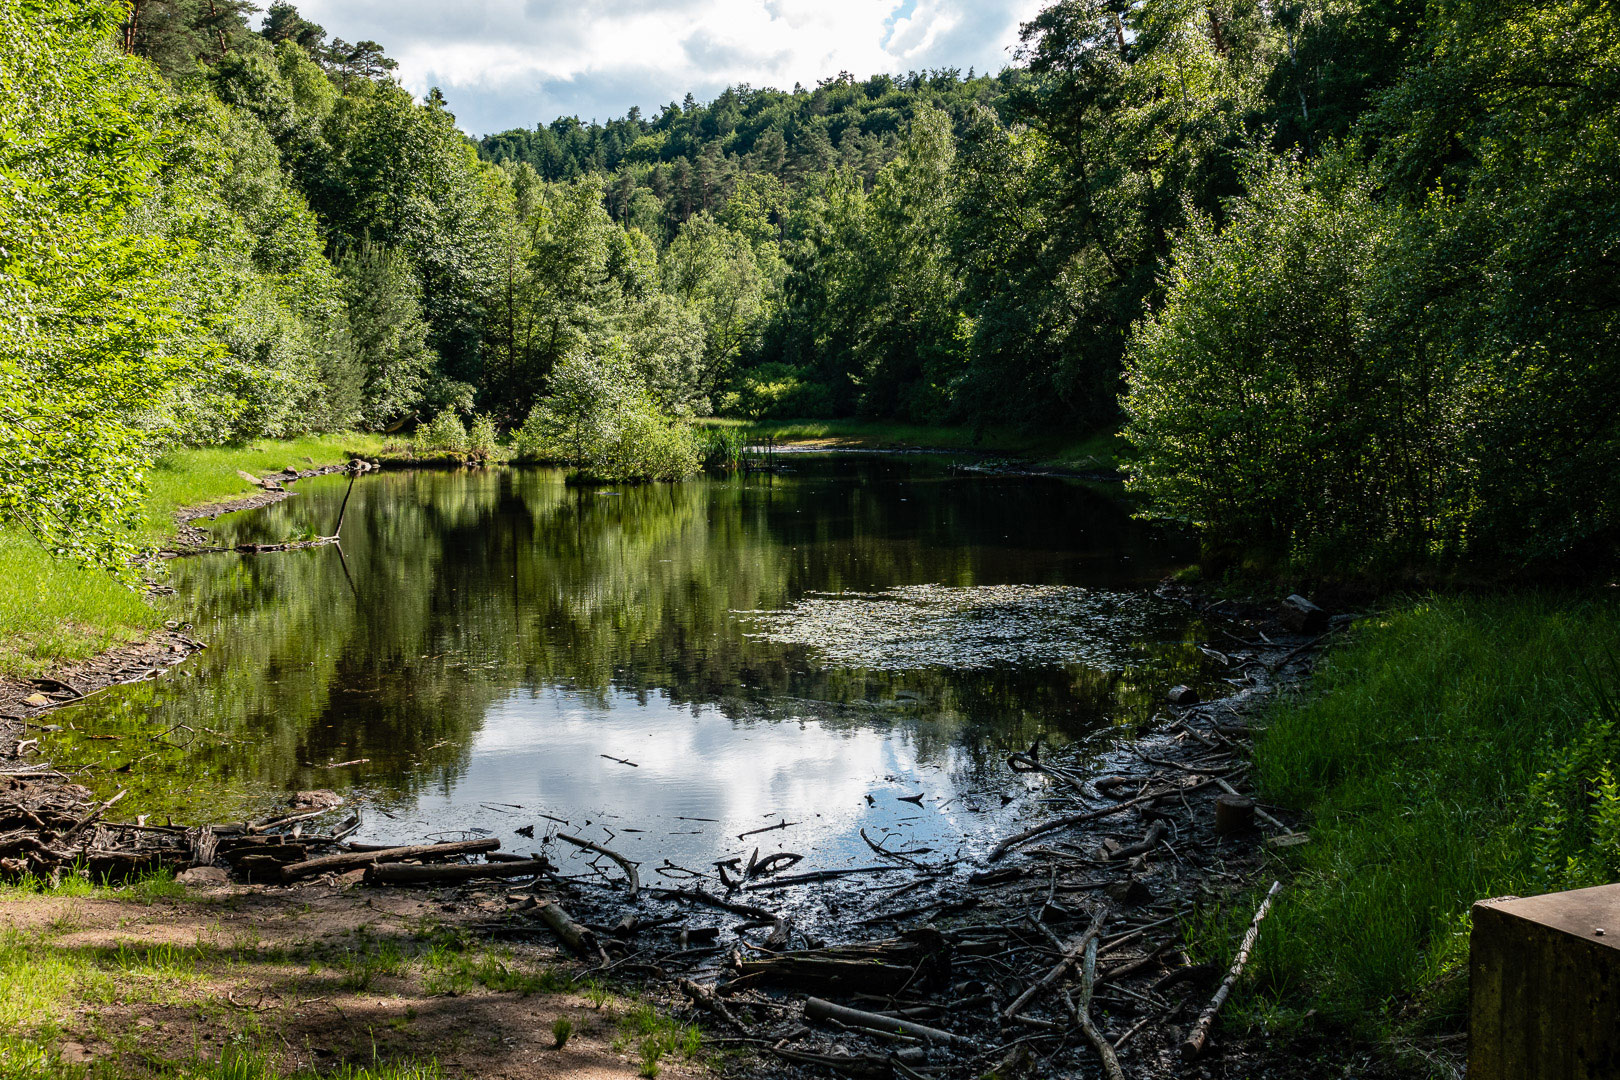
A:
1233, 814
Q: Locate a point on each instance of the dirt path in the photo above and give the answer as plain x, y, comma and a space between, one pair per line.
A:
308, 978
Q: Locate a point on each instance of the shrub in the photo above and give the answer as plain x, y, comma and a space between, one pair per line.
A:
443, 432
482, 438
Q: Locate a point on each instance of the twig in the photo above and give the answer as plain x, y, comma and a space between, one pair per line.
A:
1082, 1014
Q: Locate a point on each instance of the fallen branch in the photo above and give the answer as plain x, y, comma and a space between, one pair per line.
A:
409, 874
1090, 815
1082, 1015
625, 864
817, 1009
355, 860
1194, 1044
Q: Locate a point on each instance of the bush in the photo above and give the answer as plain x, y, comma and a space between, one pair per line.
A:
599, 419
778, 391
443, 433
482, 438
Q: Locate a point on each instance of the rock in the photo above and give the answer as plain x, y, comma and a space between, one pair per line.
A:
291, 470
250, 478
316, 800
1182, 695
1233, 814
202, 875
1301, 616
36, 700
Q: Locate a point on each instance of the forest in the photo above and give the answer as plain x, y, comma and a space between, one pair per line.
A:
1343, 273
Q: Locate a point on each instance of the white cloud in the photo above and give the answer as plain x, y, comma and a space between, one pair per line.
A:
515, 63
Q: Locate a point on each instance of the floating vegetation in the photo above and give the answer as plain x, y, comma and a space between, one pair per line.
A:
919, 626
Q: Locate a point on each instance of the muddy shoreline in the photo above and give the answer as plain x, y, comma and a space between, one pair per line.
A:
747, 950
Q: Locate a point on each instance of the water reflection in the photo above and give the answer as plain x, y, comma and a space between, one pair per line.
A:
483, 638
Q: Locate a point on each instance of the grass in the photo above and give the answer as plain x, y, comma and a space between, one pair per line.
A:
26, 1059
656, 1037
54, 613
1416, 756
1052, 449
206, 475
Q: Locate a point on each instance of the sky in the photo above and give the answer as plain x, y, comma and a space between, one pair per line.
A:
517, 63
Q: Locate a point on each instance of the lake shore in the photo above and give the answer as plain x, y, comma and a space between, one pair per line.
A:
1159, 886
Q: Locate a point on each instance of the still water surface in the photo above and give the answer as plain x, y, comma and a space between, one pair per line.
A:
809, 648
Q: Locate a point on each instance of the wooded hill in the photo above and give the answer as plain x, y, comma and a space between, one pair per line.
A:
1345, 272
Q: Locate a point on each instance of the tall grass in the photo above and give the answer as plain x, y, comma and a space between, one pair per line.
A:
54, 612
1414, 757
196, 477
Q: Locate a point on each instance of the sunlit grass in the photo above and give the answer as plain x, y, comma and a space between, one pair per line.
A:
1060, 448
54, 612
206, 475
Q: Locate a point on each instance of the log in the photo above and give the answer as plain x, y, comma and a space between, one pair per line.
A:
1194, 1043
817, 1009
355, 860
1075, 950
410, 874
575, 936
1259, 813
1149, 841
625, 864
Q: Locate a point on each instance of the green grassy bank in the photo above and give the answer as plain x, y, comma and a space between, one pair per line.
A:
1051, 449
54, 612
1450, 750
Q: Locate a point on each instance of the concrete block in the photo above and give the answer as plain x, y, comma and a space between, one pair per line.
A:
1544, 979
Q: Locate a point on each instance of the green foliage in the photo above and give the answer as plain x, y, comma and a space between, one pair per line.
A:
383, 299
444, 432
1425, 758
1575, 805
561, 1029
599, 419
482, 438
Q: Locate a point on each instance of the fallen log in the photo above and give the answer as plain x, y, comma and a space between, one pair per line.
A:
817, 1009
575, 936
1082, 1015
411, 874
818, 875
355, 860
1194, 1043
629, 868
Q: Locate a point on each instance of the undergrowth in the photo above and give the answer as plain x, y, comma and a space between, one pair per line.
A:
1455, 749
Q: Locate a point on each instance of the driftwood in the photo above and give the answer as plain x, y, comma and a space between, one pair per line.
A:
575, 936
1076, 949
918, 956
1090, 815
355, 860
1194, 1043
817, 1009
410, 874
818, 875
1082, 1015
629, 868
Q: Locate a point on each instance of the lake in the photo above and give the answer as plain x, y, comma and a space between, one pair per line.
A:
854, 643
